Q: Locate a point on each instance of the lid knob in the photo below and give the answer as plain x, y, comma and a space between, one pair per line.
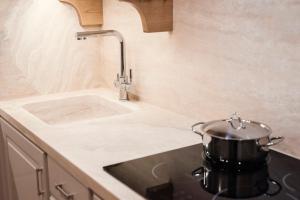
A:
236, 122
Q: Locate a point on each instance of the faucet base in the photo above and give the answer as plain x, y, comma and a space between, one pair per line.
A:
123, 95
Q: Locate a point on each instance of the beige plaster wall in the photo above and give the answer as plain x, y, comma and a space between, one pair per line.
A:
13, 83
39, 50
222, 57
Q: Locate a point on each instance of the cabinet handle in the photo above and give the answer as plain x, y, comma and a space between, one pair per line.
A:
38, 180
65, 194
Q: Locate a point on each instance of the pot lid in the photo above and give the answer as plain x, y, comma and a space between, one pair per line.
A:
236, 128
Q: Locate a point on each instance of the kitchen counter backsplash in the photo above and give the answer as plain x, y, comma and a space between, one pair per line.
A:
222, 57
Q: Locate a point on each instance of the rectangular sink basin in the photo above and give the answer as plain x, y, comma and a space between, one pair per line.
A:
74, 109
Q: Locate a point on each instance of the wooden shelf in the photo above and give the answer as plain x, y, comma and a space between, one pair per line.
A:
90, 12
156, 15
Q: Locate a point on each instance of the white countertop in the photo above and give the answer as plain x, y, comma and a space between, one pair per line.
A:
85, 147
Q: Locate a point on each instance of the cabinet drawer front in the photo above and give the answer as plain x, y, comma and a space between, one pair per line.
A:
63, 186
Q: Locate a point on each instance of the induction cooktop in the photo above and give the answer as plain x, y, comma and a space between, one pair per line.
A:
185, 174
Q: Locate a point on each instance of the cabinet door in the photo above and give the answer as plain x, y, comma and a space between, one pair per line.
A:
3, 184
27, 176
25, 166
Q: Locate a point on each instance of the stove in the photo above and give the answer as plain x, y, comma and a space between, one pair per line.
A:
184, 174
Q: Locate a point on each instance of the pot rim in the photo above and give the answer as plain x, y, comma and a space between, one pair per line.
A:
262, 125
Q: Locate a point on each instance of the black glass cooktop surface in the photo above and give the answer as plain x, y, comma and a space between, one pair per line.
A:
184, 174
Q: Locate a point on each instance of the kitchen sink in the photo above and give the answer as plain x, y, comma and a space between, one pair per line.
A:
73, 109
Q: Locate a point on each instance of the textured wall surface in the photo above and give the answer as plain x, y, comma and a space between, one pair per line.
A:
13, 83
38, 43
222, 57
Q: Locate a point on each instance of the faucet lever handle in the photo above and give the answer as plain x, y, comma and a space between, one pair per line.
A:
130, 75
117, 81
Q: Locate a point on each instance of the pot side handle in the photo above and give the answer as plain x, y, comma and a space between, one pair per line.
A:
270, 194
199, 173
274, 141
194, 128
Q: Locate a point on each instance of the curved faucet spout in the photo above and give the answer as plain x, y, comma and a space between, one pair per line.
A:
122, 79
85, 34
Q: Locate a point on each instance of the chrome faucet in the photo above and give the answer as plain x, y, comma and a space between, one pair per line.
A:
122, 81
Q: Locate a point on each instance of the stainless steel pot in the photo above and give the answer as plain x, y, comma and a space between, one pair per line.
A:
236, 141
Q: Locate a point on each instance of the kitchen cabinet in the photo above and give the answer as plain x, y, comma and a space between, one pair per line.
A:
27, 173
63, 186
25, 166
